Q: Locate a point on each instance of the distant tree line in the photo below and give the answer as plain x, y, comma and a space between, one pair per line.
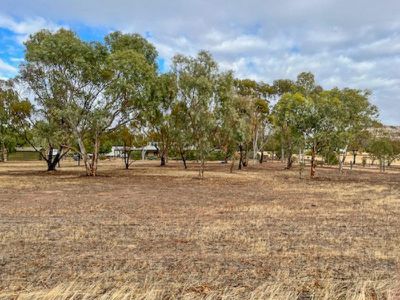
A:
86, 96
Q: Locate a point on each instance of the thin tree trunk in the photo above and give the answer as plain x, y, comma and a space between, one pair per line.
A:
342, 159
241, 156
245, 156
282, 151
84, 155
313, 161
354, 156
289, 163
126, 160
232, 163
255, 146
202, 166
262, 156
340, 163
49, 160
183, 159
4, 152
92, 171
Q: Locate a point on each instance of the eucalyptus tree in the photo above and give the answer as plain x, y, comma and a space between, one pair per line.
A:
320, 125
395, 154
179, 120
158, 116
358, 143
6, 133
128, 137
257, 94
233, 119
54, 137
355, 117
11, 108
196, 80
35, 127
91, 87
381, 148
289, 116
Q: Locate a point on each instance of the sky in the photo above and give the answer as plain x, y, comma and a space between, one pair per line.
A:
345, 43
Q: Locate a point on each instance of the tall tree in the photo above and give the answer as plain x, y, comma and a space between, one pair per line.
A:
93, 88
196, 78
233, 119
289, 115
158, 116
355, 117
257, 94
12, 109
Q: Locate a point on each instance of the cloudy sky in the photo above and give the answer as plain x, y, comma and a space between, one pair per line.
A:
354, 43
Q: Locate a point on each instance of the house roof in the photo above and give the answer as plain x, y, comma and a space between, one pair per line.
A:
27, 149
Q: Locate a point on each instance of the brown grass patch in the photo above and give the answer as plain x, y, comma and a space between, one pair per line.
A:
151, 233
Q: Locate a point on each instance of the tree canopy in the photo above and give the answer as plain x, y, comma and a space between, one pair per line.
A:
87, 95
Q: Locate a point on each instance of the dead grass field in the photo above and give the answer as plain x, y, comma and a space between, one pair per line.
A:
160, 233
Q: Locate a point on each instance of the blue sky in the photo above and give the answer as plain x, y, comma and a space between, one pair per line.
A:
351, 43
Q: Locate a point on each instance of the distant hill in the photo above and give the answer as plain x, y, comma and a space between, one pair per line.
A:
393, 131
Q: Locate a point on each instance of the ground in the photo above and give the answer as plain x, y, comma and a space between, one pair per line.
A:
151, 233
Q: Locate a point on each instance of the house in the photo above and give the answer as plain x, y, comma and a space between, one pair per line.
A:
25, 153
145, 151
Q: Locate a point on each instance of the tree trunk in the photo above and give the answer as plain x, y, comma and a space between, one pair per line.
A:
340, 163
4, 153
282, 151
313, 161
255, 146
241, 157
354, 156
245, 156
289, 162
164, 156
85, 157
262, 156
162, 162
233, 162
127, 158
54, 161
49, 160
342, 159
301, 156
344, 156
183, 159
91, 166
202, 167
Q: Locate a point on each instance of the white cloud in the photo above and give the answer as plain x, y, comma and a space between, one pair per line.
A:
345, 43
6, 68
23, 29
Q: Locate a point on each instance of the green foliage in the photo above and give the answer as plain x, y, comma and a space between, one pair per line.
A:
91, 88
384, 149
196, 79
93, 95
14, 113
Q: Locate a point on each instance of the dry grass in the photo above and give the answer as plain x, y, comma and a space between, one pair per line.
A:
154, 233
